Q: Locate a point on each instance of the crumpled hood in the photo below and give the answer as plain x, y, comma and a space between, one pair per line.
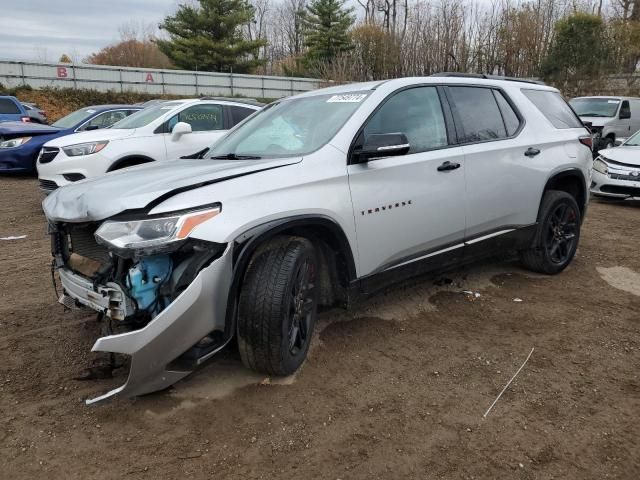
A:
92, 136
138, 187
622, 154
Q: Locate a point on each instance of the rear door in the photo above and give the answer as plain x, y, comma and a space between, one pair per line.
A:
207, 125
500, 193
406, 210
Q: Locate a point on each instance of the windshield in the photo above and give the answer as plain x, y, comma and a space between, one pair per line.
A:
290, 127
146, 116
633, 141
74, 118
595, 107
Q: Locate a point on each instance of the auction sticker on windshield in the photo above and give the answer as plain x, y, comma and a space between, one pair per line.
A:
348, 98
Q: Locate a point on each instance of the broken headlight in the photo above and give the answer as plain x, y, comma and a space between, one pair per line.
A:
152, 232
600, 166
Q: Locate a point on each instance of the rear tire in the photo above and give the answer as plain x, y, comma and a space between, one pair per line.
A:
277, 306
557, 235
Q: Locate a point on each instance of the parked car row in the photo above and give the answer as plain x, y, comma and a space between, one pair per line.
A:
75, 147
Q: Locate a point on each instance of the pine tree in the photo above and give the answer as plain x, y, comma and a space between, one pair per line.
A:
209, 37
327, 25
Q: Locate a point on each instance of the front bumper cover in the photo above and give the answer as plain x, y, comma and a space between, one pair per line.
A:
611, 187
199, 310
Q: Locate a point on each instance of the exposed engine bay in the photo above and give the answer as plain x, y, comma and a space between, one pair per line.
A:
130, 290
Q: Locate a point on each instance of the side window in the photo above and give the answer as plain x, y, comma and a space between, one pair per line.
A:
511, 120
553, 106
202, 118
8, 106
105, 120
625, 110
238, 114
478, 113
417, 113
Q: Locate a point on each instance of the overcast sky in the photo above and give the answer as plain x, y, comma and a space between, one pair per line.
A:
39, 29
45, 29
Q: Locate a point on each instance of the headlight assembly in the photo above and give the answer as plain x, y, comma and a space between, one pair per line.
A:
84, 148
14, 142
153, 233
600, 166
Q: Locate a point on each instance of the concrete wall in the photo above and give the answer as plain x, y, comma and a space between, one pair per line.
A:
148, 80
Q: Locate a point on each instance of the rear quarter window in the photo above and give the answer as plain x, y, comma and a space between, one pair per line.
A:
554, 107
8, 107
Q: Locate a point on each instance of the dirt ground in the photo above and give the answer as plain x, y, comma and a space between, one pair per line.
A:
396, 388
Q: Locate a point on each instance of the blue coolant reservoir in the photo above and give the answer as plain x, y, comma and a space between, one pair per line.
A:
145, 278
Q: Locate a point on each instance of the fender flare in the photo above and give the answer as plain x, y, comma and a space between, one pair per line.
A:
246, 244
572, 172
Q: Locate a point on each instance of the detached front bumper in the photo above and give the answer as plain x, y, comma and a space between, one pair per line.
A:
199, 310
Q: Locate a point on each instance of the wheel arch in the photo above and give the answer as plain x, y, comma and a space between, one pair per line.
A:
571, 181
129, 161
328, 238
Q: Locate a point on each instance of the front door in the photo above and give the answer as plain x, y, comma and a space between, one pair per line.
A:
405, 208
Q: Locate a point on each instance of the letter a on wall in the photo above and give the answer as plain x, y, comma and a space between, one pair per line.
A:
62, 72
149, 78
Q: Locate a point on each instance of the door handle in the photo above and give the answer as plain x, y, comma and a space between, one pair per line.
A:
446, 166
531, 152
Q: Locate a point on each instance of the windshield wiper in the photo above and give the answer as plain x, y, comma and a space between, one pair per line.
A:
233, 156
593, 115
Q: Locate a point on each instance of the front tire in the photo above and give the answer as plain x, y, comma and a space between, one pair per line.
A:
277, 306
557, 236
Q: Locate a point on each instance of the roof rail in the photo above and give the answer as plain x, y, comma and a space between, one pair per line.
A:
248, 101
487, 77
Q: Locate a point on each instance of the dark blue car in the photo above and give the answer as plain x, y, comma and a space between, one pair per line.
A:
21, 142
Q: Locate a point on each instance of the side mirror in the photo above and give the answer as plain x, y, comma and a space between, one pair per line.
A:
625, 114
377, 145
91, 127
179, 129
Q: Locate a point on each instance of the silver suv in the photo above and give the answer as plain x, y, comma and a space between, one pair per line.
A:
315, 201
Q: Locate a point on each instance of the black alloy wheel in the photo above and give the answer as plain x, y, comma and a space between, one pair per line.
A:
561, 233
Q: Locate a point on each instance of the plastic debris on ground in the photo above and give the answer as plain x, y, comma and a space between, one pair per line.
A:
18, 237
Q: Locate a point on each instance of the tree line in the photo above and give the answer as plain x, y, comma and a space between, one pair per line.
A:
559, 40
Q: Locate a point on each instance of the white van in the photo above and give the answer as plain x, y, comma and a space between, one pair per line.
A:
611, 119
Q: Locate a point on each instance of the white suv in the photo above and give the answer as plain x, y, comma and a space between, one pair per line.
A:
166, 131
316, 200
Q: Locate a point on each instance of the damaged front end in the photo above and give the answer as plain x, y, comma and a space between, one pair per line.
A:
165, 292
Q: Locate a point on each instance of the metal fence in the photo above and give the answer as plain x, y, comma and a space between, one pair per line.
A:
149, 80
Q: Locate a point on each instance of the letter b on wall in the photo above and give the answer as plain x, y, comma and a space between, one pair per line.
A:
62, 72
